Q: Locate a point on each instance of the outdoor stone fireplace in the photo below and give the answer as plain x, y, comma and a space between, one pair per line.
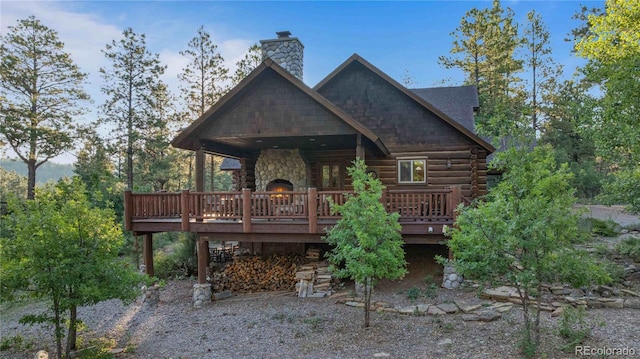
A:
275, 165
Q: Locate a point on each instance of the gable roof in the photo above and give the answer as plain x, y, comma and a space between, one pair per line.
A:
459, 102
185, 138
466, 129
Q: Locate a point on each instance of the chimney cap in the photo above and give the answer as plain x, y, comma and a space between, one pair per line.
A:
283, 34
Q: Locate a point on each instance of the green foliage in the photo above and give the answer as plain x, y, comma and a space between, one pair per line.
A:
177, 260
250, 61
630, 247
605, 228
523, 232
484, 48
131, 85
12, 183
612, 48
366, 240
40, 94
16, 343
414, 293
66, 252
573, 328
624, 189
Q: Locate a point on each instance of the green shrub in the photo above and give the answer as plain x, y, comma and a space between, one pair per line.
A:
607, 228
630, 247
573, 328
414, 293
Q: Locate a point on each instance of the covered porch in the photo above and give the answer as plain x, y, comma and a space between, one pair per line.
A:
290, 216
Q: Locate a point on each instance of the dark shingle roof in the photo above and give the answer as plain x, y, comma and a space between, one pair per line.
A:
457, 102
229, 164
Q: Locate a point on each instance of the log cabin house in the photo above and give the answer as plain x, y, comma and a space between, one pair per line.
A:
289, 145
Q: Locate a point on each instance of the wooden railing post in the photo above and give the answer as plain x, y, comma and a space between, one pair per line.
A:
203, 253
312, 209
128, 210
246, 210
184, 209
456, 199
384, 199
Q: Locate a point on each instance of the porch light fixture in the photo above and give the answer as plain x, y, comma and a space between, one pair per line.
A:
448, 163
258, 141
430, 229
275, 146
312, 139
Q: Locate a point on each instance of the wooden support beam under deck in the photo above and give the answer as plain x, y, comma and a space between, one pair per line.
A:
147, 250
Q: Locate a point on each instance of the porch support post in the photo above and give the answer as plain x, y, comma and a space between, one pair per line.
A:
246, 210
200, 170
202, 289
128, 210
203, 251
184, 209
312, 209
359, 148
147, 250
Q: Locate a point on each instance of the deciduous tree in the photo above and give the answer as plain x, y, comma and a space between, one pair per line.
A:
41, 93
366, 239
66, 252
523, 234
611, 43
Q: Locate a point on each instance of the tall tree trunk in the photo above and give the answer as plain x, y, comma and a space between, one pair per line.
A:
58, 327
31, 178
72, 334
367, 301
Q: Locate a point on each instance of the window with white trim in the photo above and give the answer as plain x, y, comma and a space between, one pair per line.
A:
412, 170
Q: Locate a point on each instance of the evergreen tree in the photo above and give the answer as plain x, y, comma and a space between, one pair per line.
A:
129, 83
484, 48
203, 82
544, 71
249, 62
40, 94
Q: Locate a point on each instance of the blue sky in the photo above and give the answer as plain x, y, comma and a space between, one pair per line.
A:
397, 37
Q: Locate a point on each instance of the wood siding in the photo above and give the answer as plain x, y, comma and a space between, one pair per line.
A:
402, 124
269, 108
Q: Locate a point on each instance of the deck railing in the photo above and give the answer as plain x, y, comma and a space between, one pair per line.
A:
311, 205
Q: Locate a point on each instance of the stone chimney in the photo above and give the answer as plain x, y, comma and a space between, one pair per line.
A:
286, 51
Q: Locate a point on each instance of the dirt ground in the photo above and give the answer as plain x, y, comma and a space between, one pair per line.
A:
615, 213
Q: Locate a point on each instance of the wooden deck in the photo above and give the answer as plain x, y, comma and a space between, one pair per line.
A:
285, 216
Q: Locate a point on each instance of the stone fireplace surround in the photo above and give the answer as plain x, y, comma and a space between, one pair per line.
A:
283, 164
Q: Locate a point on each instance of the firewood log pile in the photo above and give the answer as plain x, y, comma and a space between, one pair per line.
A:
257, 274
314, 279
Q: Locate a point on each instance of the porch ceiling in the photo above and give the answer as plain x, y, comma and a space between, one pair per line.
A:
240, 147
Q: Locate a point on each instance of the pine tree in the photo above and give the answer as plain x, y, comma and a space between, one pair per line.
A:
203, 82
484, 48
129, 83
250, 61
544, 71
40, 95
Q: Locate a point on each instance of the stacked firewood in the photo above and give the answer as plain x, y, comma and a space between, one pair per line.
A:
313, 279
257, 274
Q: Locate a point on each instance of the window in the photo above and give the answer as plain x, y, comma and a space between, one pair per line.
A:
412, 170
331, 176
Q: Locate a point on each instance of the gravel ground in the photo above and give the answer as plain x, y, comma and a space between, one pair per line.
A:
279, 325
